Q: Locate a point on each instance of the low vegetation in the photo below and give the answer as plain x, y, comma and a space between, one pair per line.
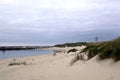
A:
105, 50
17, 63
72, 50
71, 44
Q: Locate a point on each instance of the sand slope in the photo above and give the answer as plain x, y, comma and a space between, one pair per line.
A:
48, 67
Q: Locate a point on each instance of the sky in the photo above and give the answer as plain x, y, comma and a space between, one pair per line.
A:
49, 22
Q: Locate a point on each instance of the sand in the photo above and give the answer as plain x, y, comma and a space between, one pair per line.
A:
49, 67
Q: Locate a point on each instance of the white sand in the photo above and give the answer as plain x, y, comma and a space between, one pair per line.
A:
49, 67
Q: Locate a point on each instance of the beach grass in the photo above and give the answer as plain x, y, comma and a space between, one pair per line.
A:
105, 50
17, 63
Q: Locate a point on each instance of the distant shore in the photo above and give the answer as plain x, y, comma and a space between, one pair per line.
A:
4, 48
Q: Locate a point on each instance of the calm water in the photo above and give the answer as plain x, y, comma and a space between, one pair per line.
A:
22, 53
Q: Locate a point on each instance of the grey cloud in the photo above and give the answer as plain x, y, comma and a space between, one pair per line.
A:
34, 24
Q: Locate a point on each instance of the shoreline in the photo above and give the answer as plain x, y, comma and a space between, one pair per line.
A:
49, 67
26, 56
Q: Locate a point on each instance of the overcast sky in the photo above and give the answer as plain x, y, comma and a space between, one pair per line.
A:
48, 22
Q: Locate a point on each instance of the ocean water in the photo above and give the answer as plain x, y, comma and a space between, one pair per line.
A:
22, 53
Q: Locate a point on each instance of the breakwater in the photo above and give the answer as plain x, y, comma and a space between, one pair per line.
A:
4, 48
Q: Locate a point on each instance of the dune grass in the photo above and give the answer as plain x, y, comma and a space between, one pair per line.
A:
17, 63
72, 50
105, 50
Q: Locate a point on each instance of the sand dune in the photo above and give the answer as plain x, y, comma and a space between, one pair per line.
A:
49, 67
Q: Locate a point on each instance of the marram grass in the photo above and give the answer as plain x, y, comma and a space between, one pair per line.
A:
105, 50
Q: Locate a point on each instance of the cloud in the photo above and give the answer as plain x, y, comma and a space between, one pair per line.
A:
55, 21
53, 4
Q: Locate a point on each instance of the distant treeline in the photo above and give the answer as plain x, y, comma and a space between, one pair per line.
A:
71, 44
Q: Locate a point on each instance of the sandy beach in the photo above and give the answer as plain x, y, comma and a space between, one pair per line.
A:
49, 67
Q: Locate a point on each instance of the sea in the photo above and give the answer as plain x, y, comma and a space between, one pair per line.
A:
22, 53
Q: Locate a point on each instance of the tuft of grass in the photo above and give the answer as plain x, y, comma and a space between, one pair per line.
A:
17, 63
72, 50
